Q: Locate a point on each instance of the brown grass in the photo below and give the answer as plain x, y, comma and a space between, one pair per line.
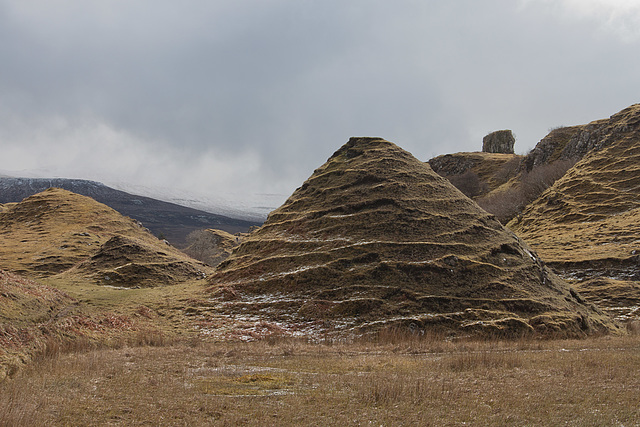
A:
469, 183
374, 238
420, 381
212, 246
507, 203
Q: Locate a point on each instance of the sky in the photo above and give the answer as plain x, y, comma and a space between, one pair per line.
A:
240, 100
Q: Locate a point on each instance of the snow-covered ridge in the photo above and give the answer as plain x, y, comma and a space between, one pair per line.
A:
254, 207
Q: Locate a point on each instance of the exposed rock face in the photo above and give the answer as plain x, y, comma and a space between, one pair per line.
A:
55, 231
557, 145
500, 141
212, 246
575, 142
374, 239
587, 225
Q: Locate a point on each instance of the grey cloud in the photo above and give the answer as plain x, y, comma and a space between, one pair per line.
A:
286, 82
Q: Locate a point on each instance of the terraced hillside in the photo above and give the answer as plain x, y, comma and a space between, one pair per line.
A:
375, 239
587, 225
59, 232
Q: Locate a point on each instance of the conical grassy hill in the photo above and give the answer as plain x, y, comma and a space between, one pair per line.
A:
60, 232
375, 239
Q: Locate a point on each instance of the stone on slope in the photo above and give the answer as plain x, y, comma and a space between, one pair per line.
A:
376, 239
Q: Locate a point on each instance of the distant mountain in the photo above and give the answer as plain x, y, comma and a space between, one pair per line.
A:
252, 207
170, 220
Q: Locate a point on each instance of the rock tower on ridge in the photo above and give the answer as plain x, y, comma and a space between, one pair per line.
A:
500, 141
375, 239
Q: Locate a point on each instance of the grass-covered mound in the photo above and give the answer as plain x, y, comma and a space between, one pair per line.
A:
60, 232
128, 262
376, 239
587, 225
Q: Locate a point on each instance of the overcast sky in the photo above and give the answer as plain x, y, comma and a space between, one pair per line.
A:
245, 97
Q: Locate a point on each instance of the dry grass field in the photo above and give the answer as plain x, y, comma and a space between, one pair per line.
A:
392, 381
103, 324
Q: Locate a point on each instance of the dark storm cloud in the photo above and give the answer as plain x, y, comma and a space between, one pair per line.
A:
252, 95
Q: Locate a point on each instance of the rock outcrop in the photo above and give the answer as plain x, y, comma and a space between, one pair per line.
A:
212, 246
500, 141
503, 184
559, 144
375, 239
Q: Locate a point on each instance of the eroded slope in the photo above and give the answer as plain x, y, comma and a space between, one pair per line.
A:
374, 238
26, 308
476, 173
587, 225
212, 246
58, 231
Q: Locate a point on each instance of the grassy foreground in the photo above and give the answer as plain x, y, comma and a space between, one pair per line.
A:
397, 381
